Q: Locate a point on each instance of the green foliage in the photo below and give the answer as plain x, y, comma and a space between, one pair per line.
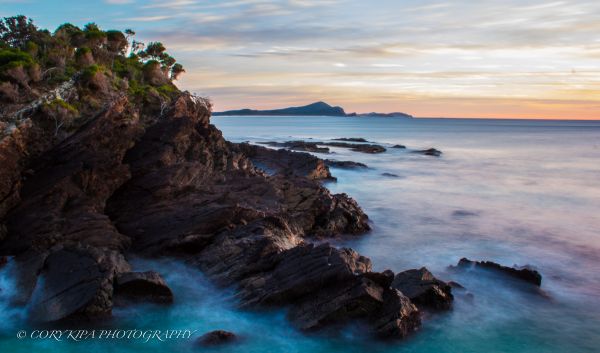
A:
59, 103
90, 71
55, 56
10, 58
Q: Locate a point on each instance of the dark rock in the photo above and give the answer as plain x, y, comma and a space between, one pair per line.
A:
399, 146
456, 285
167, 183
298, 146
344, 164
356, 147
78, 284
391, 175
285, 162
351, 139
525, 274
3, 261
143, 285
430, 152
217, 337
424, 289
463, 213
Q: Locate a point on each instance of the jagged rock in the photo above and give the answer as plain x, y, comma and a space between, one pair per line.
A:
344, 164
424, 289
217, 337
298, 146
285, 162
143, 285
525, 273
430, 152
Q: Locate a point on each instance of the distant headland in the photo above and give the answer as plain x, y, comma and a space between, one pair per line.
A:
318, 108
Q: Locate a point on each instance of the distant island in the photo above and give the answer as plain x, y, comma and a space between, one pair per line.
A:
318, 109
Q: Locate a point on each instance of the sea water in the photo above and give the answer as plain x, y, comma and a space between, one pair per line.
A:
511, 191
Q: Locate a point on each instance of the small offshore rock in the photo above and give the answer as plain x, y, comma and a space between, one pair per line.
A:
391, 175
351, 139
399, 146
217, 337
430, 152
344, 164
524, 273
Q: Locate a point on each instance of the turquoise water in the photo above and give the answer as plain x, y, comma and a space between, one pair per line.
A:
515, 192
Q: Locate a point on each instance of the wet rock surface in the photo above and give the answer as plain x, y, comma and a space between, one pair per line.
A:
525, 273
424, 289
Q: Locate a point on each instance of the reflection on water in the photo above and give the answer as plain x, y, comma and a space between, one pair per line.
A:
515, 192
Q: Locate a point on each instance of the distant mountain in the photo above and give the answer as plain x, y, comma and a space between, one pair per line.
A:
318, 108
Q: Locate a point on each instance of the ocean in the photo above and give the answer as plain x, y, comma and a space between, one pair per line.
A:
524, 192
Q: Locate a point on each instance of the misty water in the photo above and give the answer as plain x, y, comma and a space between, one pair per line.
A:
514, 192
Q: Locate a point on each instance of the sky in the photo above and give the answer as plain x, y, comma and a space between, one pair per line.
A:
462, 58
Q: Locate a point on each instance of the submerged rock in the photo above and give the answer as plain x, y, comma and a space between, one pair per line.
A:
143, 285
399, 146
430, 152
391, 175
424, 289
216, 337
525, 273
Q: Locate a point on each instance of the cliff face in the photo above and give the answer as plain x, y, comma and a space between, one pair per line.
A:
73, 208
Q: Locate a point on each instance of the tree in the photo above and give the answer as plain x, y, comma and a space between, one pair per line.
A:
176, 70
116, 42
16, 31
154, 50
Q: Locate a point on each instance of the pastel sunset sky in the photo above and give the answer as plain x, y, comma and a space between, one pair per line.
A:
487, 58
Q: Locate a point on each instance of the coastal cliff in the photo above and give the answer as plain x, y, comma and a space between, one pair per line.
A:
112, 163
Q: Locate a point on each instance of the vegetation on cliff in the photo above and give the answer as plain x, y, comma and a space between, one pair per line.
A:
83, 68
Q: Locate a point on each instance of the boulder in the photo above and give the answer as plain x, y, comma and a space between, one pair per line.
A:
216, 337
148, 286
424, 289
78, 284
524, 273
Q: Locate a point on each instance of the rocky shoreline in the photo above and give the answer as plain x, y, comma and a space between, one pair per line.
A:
122, 185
